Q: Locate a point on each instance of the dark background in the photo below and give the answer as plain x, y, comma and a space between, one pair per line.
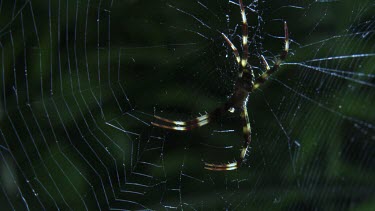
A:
81, 81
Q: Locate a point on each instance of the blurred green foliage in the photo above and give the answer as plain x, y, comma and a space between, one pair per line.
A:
72, 71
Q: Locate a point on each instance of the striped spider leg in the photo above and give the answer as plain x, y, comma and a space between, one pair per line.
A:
245, 84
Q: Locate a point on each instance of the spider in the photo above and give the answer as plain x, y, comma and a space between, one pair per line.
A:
244, 85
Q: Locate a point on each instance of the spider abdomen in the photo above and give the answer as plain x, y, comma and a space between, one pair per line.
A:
238, 98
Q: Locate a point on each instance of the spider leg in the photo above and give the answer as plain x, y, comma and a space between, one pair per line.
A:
265, 63
247, 139
246, 134
260, 80
190, 124
245, 73
221, 167
183, 125
235, 51
245, 46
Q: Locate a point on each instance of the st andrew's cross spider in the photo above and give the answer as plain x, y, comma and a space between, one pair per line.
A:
244, 85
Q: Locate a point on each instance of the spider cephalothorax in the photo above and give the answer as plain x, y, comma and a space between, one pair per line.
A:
245, 84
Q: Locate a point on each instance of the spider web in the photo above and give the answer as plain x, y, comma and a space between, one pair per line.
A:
81, 81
